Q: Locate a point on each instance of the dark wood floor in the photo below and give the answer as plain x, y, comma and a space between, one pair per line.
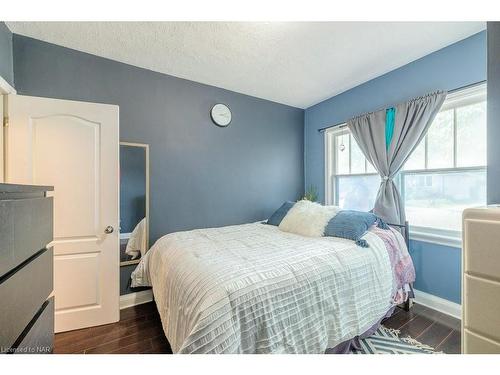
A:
428, 326
139, 331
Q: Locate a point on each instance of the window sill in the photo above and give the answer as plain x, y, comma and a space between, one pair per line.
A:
436, 236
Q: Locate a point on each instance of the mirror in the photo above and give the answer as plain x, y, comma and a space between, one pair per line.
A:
134, 202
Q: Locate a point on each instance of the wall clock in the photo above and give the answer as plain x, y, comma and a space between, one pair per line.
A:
221, 115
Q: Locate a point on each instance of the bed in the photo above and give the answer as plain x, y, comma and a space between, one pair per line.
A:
253, 288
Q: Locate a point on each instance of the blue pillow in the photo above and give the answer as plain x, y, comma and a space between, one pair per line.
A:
353, 225
280, 213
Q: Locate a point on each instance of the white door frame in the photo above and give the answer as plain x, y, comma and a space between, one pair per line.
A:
6, 87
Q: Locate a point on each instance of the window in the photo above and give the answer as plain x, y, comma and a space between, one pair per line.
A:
445, 174
447, 171
352, 182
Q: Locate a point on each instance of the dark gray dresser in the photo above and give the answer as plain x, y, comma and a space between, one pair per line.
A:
26, 269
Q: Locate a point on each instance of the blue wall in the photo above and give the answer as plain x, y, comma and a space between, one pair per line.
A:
201, 175
132, 187
460, 64
438, 269
6, 65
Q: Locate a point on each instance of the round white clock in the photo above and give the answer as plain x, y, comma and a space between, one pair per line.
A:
221, 114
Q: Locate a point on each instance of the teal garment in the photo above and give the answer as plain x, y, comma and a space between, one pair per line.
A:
390, 115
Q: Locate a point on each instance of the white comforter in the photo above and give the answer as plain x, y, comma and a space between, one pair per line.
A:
255, 289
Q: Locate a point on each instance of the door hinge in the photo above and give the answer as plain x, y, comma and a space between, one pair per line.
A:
5, 122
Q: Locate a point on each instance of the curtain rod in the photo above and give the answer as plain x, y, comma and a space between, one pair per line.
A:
343, 124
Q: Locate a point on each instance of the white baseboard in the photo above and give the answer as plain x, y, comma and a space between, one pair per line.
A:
437, 303
136, 298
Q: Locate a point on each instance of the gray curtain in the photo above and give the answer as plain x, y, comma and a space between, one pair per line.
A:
411, 122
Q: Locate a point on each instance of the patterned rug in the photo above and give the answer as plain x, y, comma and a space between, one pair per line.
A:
387, 341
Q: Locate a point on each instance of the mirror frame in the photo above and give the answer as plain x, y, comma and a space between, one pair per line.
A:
146, 150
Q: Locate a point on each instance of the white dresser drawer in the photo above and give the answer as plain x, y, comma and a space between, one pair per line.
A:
482, 249
474, 344
482, 306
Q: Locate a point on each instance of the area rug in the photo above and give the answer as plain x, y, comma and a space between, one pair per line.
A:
387, 341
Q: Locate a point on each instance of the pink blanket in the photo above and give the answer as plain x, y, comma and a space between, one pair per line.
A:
402, 265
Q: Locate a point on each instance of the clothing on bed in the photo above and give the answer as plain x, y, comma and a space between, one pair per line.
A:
403, 270
255, 289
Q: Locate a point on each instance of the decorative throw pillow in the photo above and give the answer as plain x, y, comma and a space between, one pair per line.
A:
280, 213
308, 218
353, 225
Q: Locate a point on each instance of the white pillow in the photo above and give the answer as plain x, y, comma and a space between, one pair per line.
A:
308, 218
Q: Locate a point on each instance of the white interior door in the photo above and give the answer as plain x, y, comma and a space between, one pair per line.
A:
74, 147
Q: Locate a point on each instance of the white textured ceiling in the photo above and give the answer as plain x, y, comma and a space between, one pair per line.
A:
295, 63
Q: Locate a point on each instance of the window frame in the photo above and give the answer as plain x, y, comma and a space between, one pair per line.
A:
331, 163
446, 237
463, 97
467, 96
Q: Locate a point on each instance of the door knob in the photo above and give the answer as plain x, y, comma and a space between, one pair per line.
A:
109, 229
